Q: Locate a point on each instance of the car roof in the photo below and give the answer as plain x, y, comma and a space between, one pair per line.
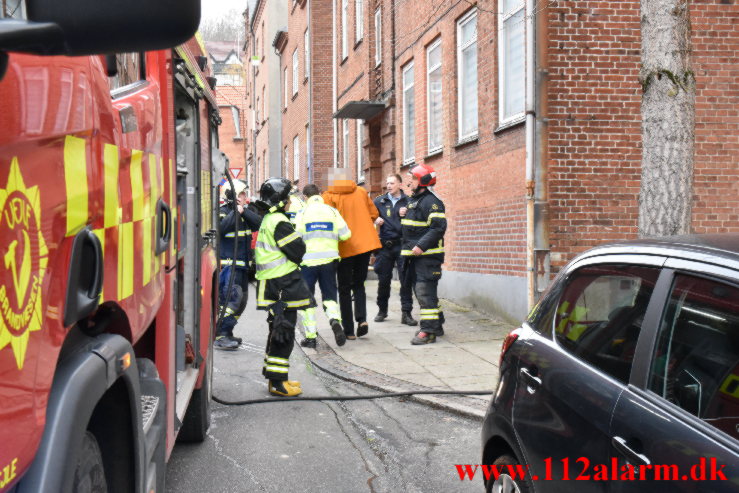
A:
720, 249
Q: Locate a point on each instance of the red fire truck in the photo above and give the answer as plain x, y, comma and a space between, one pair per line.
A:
108, 156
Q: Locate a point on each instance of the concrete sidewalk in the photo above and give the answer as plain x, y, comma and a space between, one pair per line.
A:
465, 358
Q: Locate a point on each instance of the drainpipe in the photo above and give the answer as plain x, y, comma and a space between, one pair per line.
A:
310, 143
530, 150
334, 81
255, 190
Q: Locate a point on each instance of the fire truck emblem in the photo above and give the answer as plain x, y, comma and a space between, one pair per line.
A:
23, 260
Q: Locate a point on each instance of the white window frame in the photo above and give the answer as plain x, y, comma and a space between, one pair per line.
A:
429, 69
295, 71
360, 151
344, 33
409, 151
358, 20
378, 36
236, 113
287, 159
504, 119
296, 158
472, 14
306, 53
345, 144
285, 88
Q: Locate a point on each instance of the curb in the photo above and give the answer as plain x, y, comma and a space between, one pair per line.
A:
326, 359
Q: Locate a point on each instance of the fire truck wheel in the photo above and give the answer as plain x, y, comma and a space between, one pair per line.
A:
89, 476
197, 418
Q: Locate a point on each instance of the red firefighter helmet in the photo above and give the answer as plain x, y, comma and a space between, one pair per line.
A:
425, 174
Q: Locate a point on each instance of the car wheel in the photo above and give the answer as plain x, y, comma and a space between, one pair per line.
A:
89, 475
506, 482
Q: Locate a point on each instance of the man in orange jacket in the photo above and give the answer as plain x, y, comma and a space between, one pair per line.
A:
359, 212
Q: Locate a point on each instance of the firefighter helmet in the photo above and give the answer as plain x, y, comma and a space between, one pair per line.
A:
425, 174
275, 191
239, 187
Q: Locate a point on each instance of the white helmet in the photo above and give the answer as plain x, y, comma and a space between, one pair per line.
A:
239, 188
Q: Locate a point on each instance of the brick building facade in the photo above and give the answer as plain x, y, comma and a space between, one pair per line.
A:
443, 83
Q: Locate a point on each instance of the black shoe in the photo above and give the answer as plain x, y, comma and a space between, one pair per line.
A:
407, 319
226, 343
311, 343
237, 339
423, 338
362, 329
381, 316
441, 331
339, 334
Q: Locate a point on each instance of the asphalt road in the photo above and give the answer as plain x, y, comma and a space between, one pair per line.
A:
385, 445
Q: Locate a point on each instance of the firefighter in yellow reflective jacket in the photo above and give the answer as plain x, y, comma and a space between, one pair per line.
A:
322, 228
281, 289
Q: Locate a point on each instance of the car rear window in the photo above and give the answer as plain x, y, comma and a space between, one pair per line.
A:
600, 312
696, 361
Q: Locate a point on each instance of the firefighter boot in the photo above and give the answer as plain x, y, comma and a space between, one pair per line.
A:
226, 343
423, 338
311, 343
284, 388
381, 316
407, 319
338, 332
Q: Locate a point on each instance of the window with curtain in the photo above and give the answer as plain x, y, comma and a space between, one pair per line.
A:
284, 80
511, 61
345, 142
378, 37
287, 160
360, 151
295, 72
296, 158
467, 75
359, 19
344, 34
434, 95
409, 115
306, 53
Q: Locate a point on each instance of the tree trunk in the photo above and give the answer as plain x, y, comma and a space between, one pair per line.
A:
668, 119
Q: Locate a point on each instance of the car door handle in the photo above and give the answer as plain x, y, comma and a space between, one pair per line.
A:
533, 382
621, 445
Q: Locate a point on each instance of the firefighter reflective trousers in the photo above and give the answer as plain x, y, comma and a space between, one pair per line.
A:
325, 275
235, 301
423, 274
277, 352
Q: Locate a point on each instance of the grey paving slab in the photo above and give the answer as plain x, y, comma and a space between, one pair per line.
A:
423, 379
489, 351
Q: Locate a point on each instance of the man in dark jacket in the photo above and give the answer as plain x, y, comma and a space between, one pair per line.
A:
424, 225
233, 224
388, 257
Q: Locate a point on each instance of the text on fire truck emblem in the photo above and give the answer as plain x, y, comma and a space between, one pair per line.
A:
23, 260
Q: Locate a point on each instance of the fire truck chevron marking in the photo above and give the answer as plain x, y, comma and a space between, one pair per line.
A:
75, 177
24, 259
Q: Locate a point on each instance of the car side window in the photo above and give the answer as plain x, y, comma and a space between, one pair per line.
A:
696, 361
600, 313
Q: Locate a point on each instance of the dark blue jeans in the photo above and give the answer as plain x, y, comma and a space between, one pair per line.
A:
385, 261
325, 275
235, 301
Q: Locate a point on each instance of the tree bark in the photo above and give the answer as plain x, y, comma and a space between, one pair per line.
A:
668, 119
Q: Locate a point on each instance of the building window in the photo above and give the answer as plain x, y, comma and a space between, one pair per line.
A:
287, 161
512, 61
237, 121
306, 63
434, 103
295, 72
378, 37
409, 115
284, 84
345, 146
264, 98
359, 19
344, 37
360, 151
296, 158
467, 76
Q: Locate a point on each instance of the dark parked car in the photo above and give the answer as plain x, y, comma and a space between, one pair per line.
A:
626, 374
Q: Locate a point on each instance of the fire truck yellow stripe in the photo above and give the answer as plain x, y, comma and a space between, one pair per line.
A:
154, 165
112, 203
146, 250
100, 233
125, 261
75, 176
137, 186
173, 207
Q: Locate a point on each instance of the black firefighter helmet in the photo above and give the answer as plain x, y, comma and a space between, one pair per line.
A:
275, 192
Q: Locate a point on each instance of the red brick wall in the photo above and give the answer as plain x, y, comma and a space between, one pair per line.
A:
228, 142
482, 182
595, 122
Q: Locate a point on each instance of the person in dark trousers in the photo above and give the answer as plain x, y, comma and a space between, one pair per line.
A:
387, 258
359, 212
424, 225
281, 290
235, 300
